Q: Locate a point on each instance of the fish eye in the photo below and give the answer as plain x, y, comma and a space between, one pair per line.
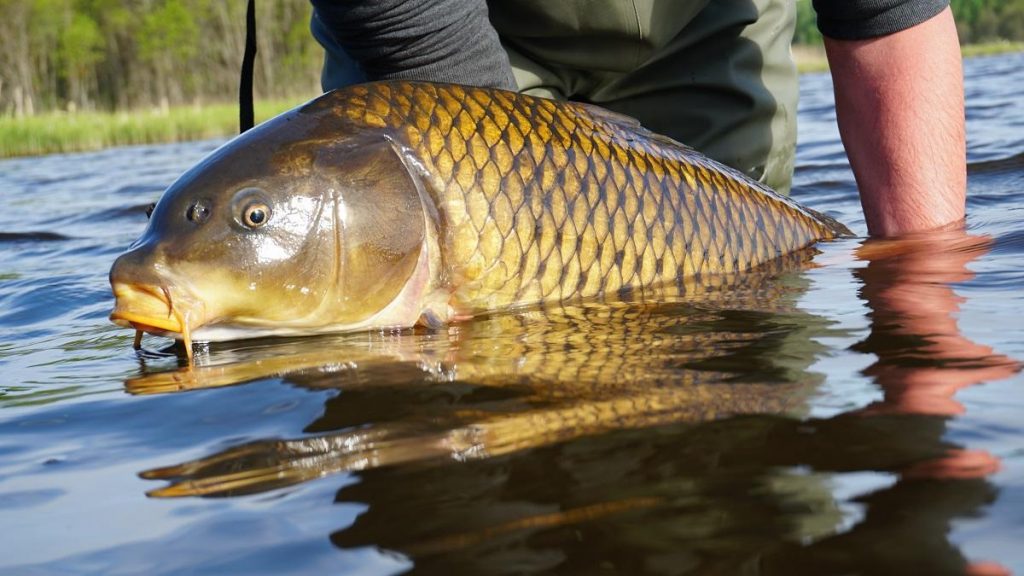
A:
197, 212
251, 208
255, 215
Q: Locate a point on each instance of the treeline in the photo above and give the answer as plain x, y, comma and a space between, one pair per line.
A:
129, 54
125, 54
976, 21
989, 20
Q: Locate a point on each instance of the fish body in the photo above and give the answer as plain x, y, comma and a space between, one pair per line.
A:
396, 203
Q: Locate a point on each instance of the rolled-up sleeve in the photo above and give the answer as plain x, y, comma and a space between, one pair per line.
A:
863, 19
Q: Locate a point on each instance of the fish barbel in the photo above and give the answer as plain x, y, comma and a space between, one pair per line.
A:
396, 203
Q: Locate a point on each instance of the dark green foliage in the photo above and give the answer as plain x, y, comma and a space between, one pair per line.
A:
119, 54
976, 21
806, 24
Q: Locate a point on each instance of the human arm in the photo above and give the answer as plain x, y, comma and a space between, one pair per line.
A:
900, 108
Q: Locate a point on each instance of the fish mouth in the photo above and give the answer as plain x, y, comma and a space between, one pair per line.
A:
151, 309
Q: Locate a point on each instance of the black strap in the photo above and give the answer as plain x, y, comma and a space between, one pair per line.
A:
246, 118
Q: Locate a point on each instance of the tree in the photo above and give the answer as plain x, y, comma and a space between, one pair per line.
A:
167, 40
80, 48
806, 31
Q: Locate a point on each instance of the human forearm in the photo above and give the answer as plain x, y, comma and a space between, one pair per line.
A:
899, 101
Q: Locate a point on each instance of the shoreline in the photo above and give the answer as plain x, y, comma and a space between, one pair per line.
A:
811, 59
64, 132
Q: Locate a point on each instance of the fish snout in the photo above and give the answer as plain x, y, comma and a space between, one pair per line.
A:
146, 301
136, 266
140, 295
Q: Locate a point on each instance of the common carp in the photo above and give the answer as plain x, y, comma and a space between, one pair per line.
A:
396, 203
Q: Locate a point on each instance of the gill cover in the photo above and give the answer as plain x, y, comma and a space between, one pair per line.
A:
380, 228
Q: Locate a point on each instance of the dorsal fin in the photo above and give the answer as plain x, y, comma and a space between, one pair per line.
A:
605, 115
629, 124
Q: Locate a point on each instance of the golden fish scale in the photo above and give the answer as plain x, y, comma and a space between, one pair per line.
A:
542, 200
589, 353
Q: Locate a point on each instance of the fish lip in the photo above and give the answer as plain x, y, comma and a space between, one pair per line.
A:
148, 308
151, 324
142, 306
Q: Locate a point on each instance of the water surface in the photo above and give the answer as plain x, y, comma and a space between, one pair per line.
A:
858, 415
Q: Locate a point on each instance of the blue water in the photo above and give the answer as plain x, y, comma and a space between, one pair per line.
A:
860, 416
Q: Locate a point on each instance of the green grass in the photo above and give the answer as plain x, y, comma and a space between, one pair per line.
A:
54, 132
991, 48
809, 58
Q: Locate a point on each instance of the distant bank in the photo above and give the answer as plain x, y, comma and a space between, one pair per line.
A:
56, 132
811, 58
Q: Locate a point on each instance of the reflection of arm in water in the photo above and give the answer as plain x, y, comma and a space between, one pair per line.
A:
923, 359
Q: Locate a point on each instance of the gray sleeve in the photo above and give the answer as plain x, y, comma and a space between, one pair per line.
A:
862, 19
434, 40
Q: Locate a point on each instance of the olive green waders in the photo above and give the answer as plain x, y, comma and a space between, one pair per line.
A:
716, 75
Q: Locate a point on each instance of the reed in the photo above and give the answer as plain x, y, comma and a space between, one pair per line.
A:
991, 48
55, 132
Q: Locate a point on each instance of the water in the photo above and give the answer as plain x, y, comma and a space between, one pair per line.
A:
859, 416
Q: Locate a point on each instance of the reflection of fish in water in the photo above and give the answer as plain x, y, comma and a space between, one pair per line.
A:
395, 203
500, 385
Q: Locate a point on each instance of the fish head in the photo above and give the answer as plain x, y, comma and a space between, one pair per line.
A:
301, 225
